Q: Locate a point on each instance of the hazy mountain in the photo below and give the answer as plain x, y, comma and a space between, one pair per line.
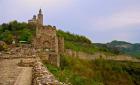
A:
125, 47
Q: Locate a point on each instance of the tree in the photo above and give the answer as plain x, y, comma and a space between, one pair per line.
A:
7, 37
25, 35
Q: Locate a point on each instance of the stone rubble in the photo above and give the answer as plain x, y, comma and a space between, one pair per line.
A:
27, 62
41, 76
19, 52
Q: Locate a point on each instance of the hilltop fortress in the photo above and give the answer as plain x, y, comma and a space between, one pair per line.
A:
52, 46
46, 38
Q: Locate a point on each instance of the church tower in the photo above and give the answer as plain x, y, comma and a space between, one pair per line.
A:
40, 17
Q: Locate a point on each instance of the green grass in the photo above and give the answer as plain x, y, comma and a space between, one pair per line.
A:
82, 43
87, 48
98, 72
135, 54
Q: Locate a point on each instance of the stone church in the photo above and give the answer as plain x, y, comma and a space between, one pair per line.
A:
46, 38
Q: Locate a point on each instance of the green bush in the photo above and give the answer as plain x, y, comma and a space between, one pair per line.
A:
3, 46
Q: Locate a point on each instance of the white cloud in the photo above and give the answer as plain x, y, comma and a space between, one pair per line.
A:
119, 20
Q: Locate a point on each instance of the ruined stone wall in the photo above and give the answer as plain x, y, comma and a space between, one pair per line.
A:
99, 55
41, 76
82, 55
54, 59
46, 39
61, 45
19, 52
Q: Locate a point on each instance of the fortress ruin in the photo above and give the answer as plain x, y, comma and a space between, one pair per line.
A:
46, 39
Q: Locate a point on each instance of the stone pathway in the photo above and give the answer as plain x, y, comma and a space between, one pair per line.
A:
25, 77
9, 71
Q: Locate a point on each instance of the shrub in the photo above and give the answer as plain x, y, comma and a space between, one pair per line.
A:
3, 46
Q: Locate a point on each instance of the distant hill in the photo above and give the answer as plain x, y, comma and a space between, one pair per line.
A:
121, 47
125, 47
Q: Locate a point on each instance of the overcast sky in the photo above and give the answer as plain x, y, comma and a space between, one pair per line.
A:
100, 20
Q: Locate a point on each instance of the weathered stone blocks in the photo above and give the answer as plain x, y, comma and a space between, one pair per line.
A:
41, 76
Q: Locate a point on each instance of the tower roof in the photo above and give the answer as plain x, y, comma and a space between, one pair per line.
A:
40, 11
34, 17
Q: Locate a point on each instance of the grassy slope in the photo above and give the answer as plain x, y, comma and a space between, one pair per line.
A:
98, 72
82, 43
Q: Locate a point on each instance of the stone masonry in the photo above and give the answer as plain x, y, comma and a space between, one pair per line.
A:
46, 39
41, 76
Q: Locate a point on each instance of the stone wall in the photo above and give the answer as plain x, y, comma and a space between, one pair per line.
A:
97, 55
19, 52
47, 39
61, 45
41, 76
53, 59
83, 55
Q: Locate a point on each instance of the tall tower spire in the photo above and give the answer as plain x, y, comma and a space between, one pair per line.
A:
40, 17
40, 11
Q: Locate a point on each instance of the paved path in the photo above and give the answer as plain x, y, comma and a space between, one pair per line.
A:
25, 77
12, 74
9, 71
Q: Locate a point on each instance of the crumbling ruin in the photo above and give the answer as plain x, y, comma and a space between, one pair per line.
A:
46, 39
